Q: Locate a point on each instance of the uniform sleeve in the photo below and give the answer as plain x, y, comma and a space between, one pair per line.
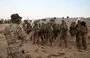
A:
22, 34
6, 32
86, 30
66, 28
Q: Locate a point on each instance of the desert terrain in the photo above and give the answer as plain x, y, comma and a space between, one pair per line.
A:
38, 51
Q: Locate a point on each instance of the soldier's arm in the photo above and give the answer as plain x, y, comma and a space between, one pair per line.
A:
66, 28
86, 30
22, 34
5, 31
76, 28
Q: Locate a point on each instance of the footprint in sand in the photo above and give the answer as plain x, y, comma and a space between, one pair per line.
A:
28, 56
38, 57
37, 50
55, 55
44, 51
61, 54
42, 47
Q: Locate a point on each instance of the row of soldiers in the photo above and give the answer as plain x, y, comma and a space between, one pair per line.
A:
49, 32
42, 33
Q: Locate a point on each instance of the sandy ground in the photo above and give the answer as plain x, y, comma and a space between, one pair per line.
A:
38, 51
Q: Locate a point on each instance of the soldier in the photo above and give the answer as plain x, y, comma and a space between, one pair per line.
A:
63, 32
15, 37
81, 29
43, 32
84, 32
29, 27
56, 30
25, 25
78, 34
36, 31
54, 25
50, 33
73, 29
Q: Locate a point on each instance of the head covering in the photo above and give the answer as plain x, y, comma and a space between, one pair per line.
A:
15, 18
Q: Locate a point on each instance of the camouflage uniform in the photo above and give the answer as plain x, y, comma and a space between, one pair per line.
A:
56, 30
50, 33
73, 29
29, 28
15, 37
81, 36
63, 32
78, 35
36, 30
25, 26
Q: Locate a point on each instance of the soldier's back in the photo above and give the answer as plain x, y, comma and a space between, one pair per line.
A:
63, 27
83, 27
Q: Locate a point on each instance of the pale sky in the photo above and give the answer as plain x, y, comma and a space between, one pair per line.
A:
45, 8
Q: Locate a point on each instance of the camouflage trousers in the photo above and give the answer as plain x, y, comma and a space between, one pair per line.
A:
63, 38
16, 55
15, 51
81, 41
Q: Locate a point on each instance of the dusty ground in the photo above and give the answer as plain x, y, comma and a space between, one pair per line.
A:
38, 51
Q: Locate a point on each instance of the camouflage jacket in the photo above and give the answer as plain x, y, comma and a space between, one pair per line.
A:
63, 27
14, 35
81, 29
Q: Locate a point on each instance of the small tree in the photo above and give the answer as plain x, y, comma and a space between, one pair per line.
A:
7, 21
1, 21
